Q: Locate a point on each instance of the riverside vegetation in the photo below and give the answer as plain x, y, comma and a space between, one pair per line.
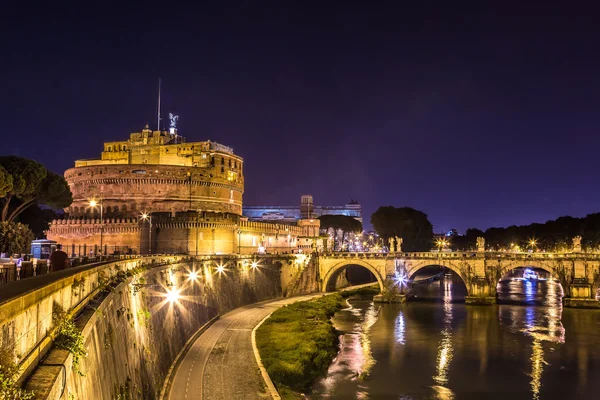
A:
298, 342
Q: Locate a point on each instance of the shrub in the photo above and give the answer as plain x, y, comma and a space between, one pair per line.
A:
15, 237
8, 373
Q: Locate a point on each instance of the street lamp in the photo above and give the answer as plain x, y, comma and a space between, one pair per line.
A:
532, 243
148, 217
93, 204
441, 244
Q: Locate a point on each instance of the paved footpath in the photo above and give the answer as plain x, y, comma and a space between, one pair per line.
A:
220, 364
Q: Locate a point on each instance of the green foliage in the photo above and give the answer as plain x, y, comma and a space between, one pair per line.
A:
31, 182
109, 336
341, 222
411, 225
6, 182
15, 237
298, 342
38, 219
364, 291
553, 235
9, 389
69, 337
78, 286
55, 192
123, 392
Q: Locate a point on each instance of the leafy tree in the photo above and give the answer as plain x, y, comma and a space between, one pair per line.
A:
15, 237
554, 235
37, 218
340, 222
32, 182
411, 225
6, 182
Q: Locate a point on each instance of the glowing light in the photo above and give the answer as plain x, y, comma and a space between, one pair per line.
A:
93, 203
254, 264
400, 279
193, 276
173, 295
144, 216
220, 269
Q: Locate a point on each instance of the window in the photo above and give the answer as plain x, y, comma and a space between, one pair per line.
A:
222, 170
222, 160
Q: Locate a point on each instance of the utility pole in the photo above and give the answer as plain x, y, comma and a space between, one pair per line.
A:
158, 111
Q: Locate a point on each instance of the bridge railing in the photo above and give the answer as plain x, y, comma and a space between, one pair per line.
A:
463, 255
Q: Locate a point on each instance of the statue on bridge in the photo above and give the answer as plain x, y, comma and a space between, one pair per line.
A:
391, 244
399, 242
481, 244
577, 244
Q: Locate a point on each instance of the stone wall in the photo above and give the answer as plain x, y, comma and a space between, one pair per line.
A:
129, 190
189, 233
135, 333
79, 236
26, 306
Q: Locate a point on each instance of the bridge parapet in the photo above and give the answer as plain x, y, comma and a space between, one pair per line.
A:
578, 272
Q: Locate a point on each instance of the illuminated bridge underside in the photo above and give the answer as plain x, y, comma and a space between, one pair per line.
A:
578, 273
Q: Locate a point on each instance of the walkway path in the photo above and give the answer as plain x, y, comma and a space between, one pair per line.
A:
221, 363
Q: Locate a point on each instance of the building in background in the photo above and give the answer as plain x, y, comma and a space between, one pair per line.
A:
190, 197
305, 210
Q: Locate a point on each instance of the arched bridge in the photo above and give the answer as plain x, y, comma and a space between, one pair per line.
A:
578, 273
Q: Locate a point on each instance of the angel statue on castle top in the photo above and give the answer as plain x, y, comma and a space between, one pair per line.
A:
174, 119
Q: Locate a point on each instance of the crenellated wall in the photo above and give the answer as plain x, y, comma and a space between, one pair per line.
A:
189, 233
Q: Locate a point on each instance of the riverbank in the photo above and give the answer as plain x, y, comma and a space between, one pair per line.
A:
221, 363
298, 342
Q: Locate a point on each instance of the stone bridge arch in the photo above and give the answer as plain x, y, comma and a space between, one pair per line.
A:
549, 267
413, 266
337, 268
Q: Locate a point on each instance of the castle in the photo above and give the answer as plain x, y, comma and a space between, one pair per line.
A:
156, 193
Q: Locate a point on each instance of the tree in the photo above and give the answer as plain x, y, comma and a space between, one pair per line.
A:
340, 222
6, 182
31, 182
37, 218
411, 225
15, 237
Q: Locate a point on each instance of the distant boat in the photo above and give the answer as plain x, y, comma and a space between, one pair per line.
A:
530, 275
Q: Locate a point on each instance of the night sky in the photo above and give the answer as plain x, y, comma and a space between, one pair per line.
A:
477, 116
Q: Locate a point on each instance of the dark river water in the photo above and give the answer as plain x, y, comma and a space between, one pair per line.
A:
446, 350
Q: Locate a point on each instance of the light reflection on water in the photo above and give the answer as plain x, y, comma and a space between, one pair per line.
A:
445, 348
451, 351
355, 360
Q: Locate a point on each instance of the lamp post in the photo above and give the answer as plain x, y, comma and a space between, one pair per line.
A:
148, 217
533, 242
93, 204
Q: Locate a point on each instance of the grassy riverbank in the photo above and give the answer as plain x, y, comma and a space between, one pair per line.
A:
363, 291
298, 342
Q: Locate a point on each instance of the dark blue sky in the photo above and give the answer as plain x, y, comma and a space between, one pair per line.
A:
477, 115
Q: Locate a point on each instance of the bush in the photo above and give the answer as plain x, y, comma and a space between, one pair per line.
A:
298, 342
8, 373
69, 337
364, 291
15, 237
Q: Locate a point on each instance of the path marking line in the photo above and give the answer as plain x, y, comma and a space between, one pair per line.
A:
263, 371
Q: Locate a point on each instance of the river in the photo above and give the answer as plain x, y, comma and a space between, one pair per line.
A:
446, 350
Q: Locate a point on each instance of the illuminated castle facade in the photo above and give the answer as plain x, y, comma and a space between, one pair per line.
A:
192, 192
155, 171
